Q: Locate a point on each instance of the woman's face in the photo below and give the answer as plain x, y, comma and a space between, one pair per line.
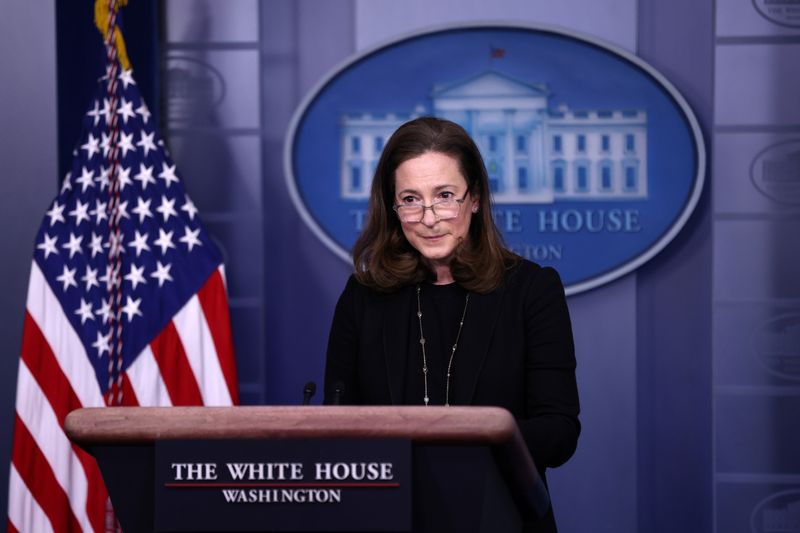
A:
429, 178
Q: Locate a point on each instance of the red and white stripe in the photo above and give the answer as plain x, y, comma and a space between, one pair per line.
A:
54, 485
196, 343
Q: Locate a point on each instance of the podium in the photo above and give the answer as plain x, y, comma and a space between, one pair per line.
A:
470, 470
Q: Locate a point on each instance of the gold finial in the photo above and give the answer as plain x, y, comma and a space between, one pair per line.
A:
101, 18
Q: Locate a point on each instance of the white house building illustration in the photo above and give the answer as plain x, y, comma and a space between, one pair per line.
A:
782, 519
533, 153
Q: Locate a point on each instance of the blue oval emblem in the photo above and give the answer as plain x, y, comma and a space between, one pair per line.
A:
192, 84
776, 345
783, 12
777, 512
775, 171
595, 160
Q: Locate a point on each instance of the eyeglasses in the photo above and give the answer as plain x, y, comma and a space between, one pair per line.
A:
445, 209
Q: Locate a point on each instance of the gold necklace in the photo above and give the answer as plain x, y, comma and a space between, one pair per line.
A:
452, 350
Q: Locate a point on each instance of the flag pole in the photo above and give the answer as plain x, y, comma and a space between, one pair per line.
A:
116, 55
105, 18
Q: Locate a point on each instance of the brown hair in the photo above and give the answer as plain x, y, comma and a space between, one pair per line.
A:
382, 256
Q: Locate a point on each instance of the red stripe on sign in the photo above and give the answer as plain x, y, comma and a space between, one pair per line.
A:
214, 302
38, 476
10, 527
175, 369
43, 365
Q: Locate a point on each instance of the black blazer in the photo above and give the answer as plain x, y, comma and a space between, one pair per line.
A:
515, 351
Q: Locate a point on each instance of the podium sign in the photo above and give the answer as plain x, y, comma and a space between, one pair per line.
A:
308, 485
309, 468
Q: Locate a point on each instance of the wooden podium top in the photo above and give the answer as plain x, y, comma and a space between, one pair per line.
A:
128, 425
494, 427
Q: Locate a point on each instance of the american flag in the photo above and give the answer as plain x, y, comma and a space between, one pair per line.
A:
175, 345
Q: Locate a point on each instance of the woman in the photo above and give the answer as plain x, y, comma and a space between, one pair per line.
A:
438, 312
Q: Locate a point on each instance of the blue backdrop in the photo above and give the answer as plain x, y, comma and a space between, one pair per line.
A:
687, 367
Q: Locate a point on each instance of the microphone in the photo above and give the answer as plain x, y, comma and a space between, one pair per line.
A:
308, 391
338, 392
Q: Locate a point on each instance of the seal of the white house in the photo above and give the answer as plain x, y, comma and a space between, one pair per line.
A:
776, 345
595, 160
775, 172
783, 12
777, 512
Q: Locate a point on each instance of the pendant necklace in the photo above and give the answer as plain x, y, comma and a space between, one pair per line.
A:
426, 398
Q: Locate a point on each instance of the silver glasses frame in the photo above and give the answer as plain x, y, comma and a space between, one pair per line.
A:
432, 207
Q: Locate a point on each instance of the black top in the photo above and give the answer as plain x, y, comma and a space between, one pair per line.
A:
442, 307
515, 352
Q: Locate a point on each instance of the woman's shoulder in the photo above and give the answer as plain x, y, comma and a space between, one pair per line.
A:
359, 291
525, 272
354, 297
355, 289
